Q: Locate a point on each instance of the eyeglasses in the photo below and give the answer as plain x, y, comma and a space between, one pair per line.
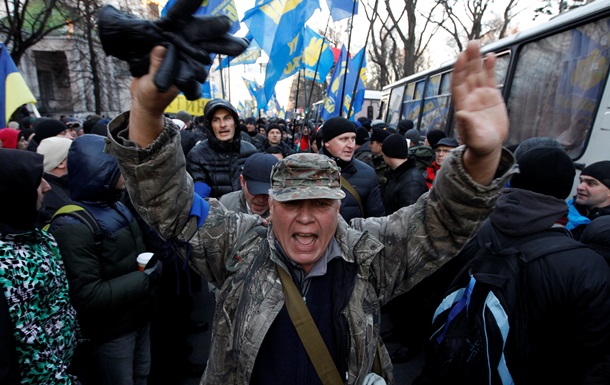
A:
442, 151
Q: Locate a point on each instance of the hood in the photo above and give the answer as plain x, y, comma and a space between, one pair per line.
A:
210, 108
93, 173
522, 212
20, 173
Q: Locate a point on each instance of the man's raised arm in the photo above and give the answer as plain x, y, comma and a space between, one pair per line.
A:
148, 104
480, 112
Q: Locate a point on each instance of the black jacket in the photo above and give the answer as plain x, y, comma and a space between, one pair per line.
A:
567, 294
110, 294
363, 179
216, 163
405, 185
53, 200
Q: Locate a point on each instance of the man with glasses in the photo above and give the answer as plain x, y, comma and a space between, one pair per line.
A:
441, 151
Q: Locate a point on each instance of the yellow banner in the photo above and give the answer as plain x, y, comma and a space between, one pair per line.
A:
194, 107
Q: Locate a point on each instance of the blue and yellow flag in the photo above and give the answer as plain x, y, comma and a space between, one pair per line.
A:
312, 42
277, 25
344, 78
354, 64
257, 93
249, 56
342, 9
332, 102
13, 90
213, 7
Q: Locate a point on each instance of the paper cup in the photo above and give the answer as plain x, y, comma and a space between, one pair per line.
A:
143, 259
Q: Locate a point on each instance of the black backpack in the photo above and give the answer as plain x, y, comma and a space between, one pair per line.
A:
471, 328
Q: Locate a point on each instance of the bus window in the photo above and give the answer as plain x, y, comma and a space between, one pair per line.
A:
436, 105
412, 101
394, 106
502, 62
557, 86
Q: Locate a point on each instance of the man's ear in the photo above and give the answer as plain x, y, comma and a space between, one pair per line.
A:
63, 164
242, 181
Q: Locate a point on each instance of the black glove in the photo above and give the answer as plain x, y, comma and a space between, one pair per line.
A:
154, 269
189, 40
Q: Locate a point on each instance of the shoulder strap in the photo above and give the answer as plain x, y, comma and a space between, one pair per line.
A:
308, 332
348, 186
82, 215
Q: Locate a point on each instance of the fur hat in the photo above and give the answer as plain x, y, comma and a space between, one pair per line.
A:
545, 170
336, 126
599, 171
395, 146
54, 150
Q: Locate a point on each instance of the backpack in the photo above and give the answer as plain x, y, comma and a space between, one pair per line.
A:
471, 328
82, 215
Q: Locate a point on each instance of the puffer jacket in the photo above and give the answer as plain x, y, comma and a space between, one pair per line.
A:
219, 164
110, 294
391, 254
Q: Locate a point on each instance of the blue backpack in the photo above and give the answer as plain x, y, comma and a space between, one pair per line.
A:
483, 315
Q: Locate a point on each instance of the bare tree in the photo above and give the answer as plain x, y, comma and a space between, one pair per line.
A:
397, 43
555, 7
28, 22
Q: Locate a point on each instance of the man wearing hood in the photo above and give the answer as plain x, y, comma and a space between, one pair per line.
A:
215, 164
113, 298
37, 322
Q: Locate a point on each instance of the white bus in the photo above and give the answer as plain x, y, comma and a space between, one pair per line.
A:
554, 79
371, 107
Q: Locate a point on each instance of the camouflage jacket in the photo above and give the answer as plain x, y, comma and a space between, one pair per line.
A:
392, 253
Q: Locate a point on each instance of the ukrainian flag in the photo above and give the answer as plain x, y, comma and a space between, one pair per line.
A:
13, 90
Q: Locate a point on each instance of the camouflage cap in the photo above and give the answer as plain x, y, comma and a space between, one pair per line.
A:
306, 176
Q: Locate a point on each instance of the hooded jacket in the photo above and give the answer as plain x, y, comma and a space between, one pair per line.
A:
567, 295
32, 280
215, 163
405, 185
387, 255
111, 295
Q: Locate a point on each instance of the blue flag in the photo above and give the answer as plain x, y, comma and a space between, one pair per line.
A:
311, 56
249, 56
333, 92
342, 9
257, 93
352, 77
13, 90
213, 7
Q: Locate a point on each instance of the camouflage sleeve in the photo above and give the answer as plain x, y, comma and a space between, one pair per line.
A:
420, 238
162, 192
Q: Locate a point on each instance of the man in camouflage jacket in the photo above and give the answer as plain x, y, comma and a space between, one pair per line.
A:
361, 266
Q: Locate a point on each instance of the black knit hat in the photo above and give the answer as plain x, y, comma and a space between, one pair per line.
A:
379, 135
434, 136
545, 170
273, 126
46, 128
362, 135
599, 171
336, 126
404, 125
395, 146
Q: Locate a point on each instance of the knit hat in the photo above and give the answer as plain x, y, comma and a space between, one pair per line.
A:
273, 126
257, 172
336, 126
449, 142
395, 146
535, 142
54, 150
46, 128
404, 125
362, 135
9, 137
184, 116
414, 136
379, 135
306, 176
434, 136
599, 171
545, 170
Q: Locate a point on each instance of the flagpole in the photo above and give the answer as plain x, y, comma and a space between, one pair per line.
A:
222, 83
366, 40
315, 75
349, 42
229, 80
296, 102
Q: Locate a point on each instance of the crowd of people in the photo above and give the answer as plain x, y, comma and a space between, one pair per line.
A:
358, 215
